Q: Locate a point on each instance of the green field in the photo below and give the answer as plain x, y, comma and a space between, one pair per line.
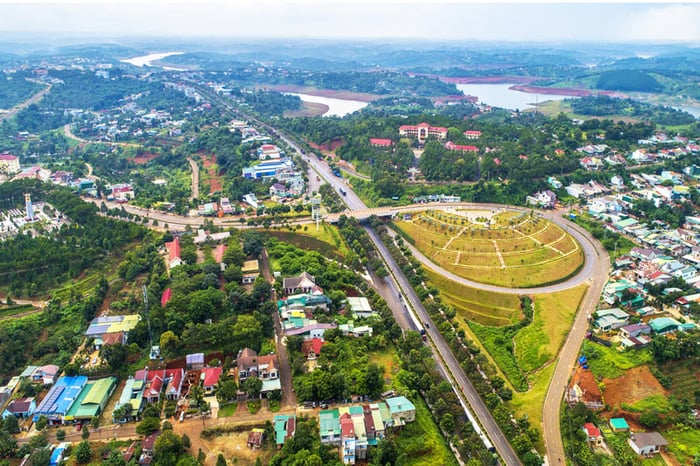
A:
228, 409
685, 378
684, 443
421, 442
610, 363
506, 248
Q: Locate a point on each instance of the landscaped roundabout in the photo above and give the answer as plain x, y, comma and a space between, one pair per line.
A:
505, 248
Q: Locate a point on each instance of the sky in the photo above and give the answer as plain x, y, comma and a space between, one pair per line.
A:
454, 20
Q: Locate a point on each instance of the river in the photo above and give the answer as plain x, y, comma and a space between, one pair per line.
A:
500, 95
336, 107
147, 60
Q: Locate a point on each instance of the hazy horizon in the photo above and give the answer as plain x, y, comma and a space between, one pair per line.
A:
448, 22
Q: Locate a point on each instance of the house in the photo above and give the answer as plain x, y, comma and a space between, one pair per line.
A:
576, 190
279, 190
647, 443
610, 319
249, 364
173, 248
664, 325
9, 164
423, 131
194, 361
591, 163
593, 435
545, 199
21, 408
635, 330
312, 348
255, 438
360, 307
154, 382
472, 134
554, 183
304, 283
285, 427
462, 148
210, 379
122, 192
401, 410
329, 427
380, 142
617, 183
45, 375
147, 447
251, 271
619, 424
347, 439
349, 329
311, 329
132, 395
108, 330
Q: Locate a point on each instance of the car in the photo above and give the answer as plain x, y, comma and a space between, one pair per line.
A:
323, 405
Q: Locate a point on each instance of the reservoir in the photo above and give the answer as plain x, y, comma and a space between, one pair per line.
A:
150, 58
336, 107
499, 95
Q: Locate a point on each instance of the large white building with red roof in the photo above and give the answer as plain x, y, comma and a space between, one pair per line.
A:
460, 147
173, 248
9, 164
423, 131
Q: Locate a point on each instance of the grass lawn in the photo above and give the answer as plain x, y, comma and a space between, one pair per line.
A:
684, 443
539, 342
658, 403
388, 360
531, 402
228, 409
611, 363
420, 442
326, 240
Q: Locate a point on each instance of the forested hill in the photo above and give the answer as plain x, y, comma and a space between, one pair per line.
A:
30, 265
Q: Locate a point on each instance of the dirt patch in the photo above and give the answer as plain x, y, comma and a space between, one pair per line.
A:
213, 180
235, 449
637, 383
308, 109
328, 146
564, 91
143, 158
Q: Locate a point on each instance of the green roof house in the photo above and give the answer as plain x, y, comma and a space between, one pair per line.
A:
401, 410
619, 424
329, 426
663, 325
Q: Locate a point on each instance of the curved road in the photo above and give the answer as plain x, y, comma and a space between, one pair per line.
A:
32, 100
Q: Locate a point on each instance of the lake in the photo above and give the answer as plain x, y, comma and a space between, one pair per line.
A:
336, 107
150, 58
499, 95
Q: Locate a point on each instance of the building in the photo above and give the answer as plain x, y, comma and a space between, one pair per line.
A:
304, 283
92, 400
635, 330
593, 435
173, 248
9, 164
45, 375
610, 319
329, 427
268, 169
423, 131
460, 147
132, 395
619, 424
647, 443
472, 134
60, 398
285, 427
380, 142
401, 410
663, 325
154, 382
249, 364
21, 408
251, 271
210, 379
111, 329
360, 307
122, 192
545, 199
255, 438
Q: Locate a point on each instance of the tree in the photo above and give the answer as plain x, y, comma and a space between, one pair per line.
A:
85, 434
169, 342
11, 425
650, 419
8, 444
220, 460
148, 426
41, 423
83, 453
252, 243
168, 448
186, 442
252, 386
60, 435
38, 441
122, 413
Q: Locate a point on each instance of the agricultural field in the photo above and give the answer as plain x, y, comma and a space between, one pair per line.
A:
685, 377
516, 249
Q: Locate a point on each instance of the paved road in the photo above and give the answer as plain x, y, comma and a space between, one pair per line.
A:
32, 100
195, 178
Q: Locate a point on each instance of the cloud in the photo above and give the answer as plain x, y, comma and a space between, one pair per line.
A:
663, 23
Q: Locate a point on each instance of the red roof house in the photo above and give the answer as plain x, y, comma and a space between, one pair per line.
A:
167, 294
472, 134
379, 142
312, 348
452, 146
173, 248
210, 376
